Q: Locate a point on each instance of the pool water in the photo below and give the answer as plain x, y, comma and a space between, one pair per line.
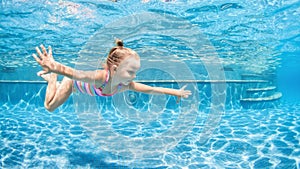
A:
238, 59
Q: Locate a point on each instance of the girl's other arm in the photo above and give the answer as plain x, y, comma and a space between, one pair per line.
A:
138, 87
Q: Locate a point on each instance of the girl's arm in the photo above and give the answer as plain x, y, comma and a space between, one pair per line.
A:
139, 87
47, 62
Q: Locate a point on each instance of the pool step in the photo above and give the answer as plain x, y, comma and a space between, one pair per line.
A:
273, 97
259, 92
261, 89
260, 97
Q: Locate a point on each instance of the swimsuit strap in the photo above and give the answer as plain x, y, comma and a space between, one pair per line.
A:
106, 80
98, 91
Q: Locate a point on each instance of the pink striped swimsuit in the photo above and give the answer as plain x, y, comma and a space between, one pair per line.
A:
92, 90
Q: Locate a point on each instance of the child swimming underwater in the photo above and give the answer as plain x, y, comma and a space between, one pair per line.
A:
117, 76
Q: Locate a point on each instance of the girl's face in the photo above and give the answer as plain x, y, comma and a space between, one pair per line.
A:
126, 71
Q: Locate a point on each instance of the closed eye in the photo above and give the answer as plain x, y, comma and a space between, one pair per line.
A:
131, 72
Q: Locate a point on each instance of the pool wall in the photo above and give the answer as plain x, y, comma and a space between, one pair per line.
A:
33, 93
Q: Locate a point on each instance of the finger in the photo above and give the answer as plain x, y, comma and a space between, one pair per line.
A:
183, 87
44, 49
188, 92
39, 52
187, 95
36, 58
50, 50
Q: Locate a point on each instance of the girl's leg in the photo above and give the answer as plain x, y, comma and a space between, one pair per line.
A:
57, 94
51, 88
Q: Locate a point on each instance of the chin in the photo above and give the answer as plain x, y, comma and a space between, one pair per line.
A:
126, 83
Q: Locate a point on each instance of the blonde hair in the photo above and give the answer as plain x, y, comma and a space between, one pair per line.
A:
118, 53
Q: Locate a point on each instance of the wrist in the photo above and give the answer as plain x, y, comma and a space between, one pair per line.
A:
62, 69
55, 67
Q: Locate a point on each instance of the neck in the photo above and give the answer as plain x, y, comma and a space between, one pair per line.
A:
112, 82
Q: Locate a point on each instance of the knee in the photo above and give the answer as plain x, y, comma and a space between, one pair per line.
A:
49, 107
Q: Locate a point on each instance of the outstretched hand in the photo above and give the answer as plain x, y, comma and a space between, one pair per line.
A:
45, 60
183, 93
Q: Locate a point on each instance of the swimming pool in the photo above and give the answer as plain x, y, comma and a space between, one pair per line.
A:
239, 59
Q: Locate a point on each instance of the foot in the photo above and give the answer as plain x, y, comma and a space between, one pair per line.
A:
49, 77
46, 77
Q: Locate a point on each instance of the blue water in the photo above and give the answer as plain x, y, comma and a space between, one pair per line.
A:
240, 60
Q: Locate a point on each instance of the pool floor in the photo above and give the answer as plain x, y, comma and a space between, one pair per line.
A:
266, 138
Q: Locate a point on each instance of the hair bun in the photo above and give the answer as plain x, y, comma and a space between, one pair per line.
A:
119, 42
